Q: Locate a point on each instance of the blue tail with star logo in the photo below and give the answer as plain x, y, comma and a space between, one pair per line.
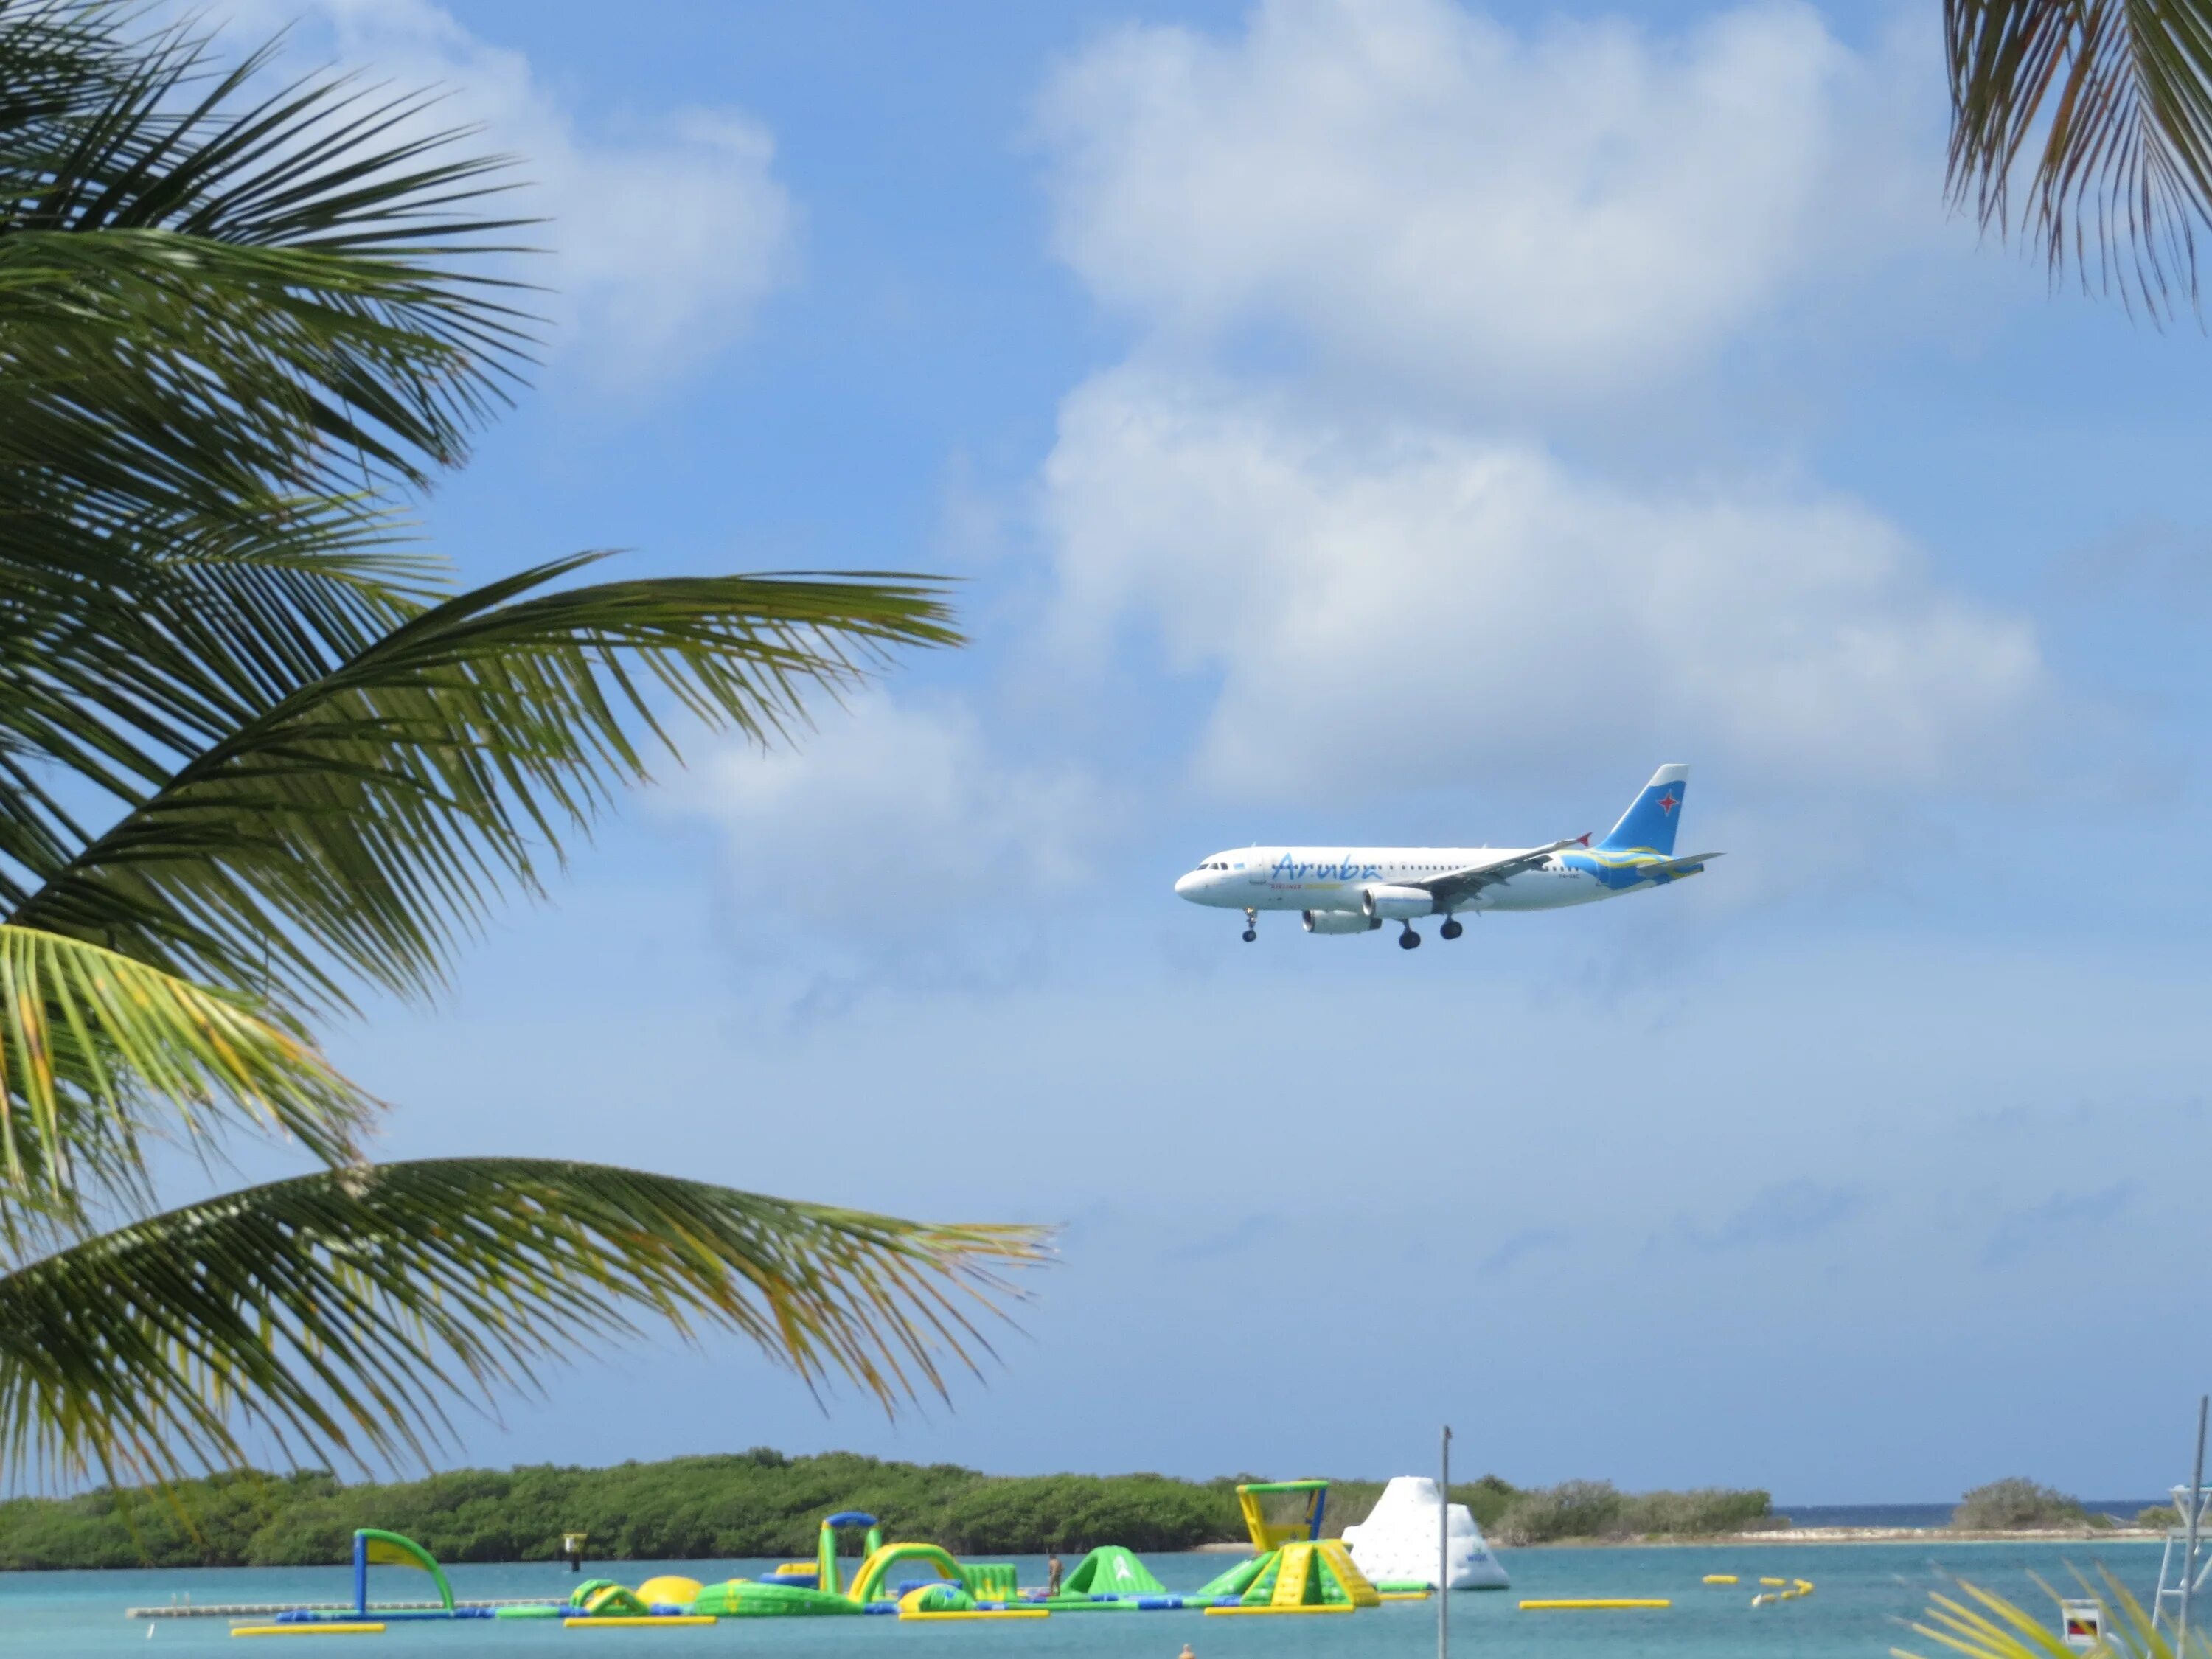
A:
1648, 826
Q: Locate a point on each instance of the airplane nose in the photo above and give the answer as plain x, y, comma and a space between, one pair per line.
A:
1184, 884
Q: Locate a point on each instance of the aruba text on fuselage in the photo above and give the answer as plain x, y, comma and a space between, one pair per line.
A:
1357, 889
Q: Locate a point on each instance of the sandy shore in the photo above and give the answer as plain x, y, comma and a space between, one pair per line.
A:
1821, 1535
1874, 1535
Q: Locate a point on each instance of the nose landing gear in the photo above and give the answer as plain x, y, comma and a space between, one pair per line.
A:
1251, 926
1451, 929
1409, 940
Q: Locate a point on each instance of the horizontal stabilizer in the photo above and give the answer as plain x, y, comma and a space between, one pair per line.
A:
1683, 866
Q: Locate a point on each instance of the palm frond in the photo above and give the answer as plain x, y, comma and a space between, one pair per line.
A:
148, 367
114, 679
2114, 98
1978, 1623
62, 60
212, 293
99, 1052
343, 1314
355, 826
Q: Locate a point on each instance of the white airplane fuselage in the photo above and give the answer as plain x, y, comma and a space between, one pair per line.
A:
1338, 878
1355, 890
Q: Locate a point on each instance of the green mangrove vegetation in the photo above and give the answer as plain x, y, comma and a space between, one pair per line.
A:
759, 1502
2018, 1505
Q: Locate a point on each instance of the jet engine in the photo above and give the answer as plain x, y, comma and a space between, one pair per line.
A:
1339, 921
1397, 903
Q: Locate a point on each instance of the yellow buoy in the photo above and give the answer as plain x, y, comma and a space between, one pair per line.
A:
1777, 1583
1804, 1587
1720, 1578
1562, 1604
306, 1630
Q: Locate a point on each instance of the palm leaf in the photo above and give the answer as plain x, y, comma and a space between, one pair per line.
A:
114, 678
97, 1051
356, 824
228, 320
343, 1314
1980, 1624
2114, 99
149, 367
180, 181
63, 62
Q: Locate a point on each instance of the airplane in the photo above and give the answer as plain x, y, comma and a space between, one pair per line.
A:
1357, 889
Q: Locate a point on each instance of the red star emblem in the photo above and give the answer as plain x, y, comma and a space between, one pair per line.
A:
1667, 803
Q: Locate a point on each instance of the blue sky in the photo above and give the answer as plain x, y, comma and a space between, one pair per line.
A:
1397, 421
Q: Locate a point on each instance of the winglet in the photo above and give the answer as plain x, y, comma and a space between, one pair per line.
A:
1585, 837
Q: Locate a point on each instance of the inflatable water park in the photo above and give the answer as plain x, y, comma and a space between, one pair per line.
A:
1293, 1570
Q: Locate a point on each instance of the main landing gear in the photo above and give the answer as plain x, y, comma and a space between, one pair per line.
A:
1251, 926
1451, 929
1409, 940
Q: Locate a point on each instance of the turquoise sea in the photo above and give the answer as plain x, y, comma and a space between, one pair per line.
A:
1862, 1591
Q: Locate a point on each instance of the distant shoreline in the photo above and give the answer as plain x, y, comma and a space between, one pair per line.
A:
1863, 1535
1805, 1535
763, 1504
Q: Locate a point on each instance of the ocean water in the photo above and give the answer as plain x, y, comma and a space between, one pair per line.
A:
1863, 1593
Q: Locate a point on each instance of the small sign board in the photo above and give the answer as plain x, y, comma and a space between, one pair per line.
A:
2080, 1624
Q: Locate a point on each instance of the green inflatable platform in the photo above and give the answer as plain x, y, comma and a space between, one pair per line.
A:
741, 1599
1109, 1570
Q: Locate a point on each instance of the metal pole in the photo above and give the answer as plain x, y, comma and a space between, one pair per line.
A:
1444, 1550
2196, 1503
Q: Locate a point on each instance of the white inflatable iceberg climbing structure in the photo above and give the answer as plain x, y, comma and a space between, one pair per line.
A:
1398, 1540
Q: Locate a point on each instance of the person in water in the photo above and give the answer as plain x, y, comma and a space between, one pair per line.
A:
1052, 1575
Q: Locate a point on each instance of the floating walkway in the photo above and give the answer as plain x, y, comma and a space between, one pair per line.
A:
309, 1630
269, 1610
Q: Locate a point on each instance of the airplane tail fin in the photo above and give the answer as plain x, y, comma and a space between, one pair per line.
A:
1648, 826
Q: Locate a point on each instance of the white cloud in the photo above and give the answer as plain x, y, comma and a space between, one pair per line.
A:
664, 241
1411, 186
898, 812
1419, 198
1423, 602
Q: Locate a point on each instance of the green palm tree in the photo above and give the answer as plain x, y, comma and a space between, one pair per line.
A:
2113, 101
257, 756
1975, 1623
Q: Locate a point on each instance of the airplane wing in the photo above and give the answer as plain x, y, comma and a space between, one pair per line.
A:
1463, 883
